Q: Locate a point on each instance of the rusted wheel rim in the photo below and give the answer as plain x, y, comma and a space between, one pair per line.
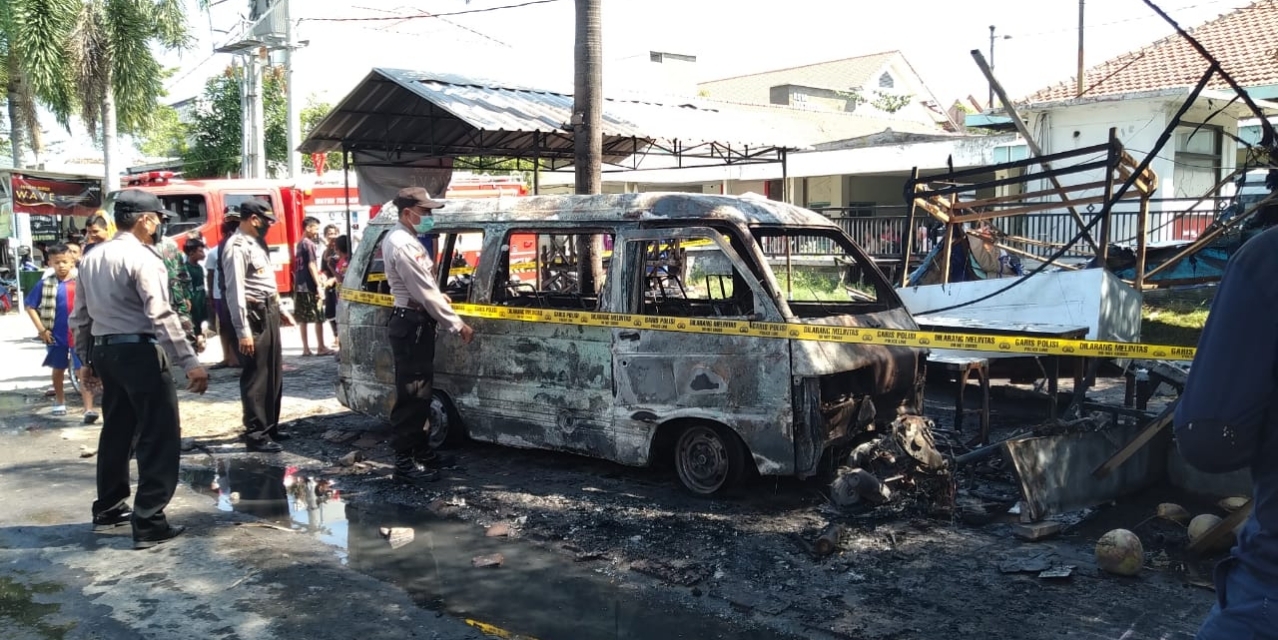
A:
702, 460
439, 423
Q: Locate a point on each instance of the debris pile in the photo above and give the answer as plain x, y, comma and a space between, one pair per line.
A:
904, 461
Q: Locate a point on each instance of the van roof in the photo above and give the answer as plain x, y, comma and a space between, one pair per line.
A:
689, 207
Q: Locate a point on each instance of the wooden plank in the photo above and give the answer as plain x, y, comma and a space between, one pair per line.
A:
1136, 444
933, 209
1036, 530
1221, 532
990, 215
1014, 197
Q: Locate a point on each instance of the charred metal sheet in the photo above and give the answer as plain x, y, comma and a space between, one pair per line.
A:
617, 208
548, 385
736, 381
1055, 471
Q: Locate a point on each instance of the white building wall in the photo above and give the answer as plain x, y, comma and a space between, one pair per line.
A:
1139, 124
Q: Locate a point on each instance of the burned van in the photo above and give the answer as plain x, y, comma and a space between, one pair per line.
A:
716, 406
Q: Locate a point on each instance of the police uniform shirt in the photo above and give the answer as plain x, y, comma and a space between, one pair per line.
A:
250, 277
124, 289
411, 276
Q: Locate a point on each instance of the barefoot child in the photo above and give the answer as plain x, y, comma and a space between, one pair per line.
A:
49, 304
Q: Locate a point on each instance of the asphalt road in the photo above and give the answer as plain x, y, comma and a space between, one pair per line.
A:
226, 578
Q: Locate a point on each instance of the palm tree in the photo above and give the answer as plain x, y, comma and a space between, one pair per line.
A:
93, 59
38, 53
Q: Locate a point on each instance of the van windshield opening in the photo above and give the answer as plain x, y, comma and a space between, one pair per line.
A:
821, 273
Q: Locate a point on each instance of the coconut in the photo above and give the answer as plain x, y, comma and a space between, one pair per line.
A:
1120, 552
1200, 525
1173, 512
1232, 504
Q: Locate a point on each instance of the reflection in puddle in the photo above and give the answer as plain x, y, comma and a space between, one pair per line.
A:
534, 593
284, 496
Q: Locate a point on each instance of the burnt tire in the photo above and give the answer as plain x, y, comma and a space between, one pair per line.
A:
709, 459
445, 427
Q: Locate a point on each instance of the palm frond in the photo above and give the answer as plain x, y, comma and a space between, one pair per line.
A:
40, 29
137, 76
171, 29
89, 59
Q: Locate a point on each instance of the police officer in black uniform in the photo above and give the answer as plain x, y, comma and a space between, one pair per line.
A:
253, 302
127, 334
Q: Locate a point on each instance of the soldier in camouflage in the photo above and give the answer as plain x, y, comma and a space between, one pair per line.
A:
180, 290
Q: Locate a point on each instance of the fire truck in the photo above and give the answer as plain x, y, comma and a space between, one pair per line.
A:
200, 206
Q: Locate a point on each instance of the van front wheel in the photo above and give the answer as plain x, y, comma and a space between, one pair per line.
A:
709, 459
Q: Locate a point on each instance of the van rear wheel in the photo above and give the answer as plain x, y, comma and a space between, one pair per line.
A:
445, 428
709, 459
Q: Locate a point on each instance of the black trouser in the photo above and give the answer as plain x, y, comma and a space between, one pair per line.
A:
139, 403
412, 340
261, 380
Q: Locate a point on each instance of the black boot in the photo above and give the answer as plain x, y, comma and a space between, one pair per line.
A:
432, 459
408, 471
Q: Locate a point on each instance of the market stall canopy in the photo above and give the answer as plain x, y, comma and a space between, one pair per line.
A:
399, 117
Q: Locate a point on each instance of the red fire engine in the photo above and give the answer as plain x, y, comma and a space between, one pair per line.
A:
200, 205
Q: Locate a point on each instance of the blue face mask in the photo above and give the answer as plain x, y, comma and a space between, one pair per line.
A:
425, 225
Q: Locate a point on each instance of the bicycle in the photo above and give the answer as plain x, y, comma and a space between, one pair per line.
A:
72, 376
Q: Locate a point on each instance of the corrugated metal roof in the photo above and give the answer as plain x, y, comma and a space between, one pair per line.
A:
412, 112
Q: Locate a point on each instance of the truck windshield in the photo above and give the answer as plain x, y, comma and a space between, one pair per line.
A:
822, 273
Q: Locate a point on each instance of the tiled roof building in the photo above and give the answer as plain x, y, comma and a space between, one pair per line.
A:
1245, 41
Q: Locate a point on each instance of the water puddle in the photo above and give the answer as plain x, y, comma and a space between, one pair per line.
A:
18, 412
20, 611
533, 593
275, 494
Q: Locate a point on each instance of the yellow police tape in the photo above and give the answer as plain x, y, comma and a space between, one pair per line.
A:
495, 631
822, 333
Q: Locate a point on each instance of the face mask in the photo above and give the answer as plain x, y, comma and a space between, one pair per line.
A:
159, 232
424, 225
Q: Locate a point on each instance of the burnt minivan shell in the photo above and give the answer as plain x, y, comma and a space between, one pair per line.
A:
768, 393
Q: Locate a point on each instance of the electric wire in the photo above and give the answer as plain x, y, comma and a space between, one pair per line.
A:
429, 15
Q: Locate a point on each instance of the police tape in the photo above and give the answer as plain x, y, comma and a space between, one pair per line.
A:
957, 341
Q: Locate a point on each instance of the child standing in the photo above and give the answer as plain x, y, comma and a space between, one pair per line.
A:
49, 305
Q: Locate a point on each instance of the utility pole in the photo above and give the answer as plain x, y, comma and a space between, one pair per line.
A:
246, 121
587, 121
991, 96
294, 125
587, 117
1079, 93
256, 166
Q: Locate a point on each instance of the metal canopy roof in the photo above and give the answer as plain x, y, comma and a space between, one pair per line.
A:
404, 117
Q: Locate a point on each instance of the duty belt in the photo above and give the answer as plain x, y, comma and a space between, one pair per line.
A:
124, 338
414, 313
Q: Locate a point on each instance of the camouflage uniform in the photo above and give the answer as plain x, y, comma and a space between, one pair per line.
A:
180, 290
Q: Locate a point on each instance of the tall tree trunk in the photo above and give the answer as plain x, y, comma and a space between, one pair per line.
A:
587, 129
17, 119
110, 154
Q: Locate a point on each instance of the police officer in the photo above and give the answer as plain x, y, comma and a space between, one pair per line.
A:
419, 308
253, 302
126, 333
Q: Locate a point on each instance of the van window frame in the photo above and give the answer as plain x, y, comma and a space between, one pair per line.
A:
378, 286
633, 285
499, 262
